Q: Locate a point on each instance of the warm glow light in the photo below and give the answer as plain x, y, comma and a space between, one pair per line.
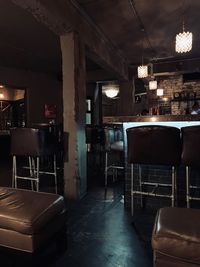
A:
1, 95
142, 71
110, 91
152, 85
165, 99
160, 92
153, 119
183, 42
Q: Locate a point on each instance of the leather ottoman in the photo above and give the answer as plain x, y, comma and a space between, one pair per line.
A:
176, 238
28, 219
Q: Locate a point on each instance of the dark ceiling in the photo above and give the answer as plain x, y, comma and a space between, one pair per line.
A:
25, 43
146, 27
128, 24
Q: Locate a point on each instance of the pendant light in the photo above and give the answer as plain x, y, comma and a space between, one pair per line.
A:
183, 39
153, 85
142, 69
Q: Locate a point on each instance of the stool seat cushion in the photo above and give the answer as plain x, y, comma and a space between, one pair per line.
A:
25, 211
117, 146
177, 234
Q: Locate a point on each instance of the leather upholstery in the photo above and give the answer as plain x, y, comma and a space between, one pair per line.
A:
191, 145
26, 211
117, 146
27, 217
176, 237
25, 142
32, 142
113, 139
154, 145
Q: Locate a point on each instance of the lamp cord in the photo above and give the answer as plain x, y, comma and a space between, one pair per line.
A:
141, 26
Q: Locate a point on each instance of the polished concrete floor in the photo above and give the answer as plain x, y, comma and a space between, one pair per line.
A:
100, 233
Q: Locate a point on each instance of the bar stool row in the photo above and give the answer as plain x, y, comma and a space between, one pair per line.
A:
163, 145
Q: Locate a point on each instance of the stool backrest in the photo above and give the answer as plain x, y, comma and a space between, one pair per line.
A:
157, 145
25, 142
191, 145
94, 134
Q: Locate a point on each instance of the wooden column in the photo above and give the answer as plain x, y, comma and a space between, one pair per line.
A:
74, 110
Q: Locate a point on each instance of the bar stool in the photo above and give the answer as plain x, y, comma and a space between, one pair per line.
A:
113, 143
34, 144
190, 157
153, 145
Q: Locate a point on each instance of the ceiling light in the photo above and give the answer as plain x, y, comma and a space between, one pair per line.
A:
153, 85
183, 41
142, 71
160, 92
110, 90
1, 95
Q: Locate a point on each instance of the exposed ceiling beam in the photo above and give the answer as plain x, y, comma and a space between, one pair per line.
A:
62, 16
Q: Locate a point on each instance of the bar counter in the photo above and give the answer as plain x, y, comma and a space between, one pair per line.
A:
156, 118
161, 172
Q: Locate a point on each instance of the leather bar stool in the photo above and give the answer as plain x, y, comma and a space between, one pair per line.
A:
190, 158
113, 144
34, 144
153, 145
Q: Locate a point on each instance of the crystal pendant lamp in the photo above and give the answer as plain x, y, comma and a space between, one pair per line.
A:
160, 92
183, 42
153, 85
142, 71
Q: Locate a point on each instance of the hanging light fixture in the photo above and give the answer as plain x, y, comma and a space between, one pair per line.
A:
142, 71
183, 42
110, 90
160, 92
153, 85
183, 39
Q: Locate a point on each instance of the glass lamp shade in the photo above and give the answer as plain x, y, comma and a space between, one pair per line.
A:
152, 85
183, 42
160, 92
142, 71
110, 91
1, 95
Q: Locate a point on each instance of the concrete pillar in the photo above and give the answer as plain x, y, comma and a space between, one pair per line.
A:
74, 112
126, 101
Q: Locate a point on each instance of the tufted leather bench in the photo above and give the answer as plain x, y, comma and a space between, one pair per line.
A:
176, 238
28, 219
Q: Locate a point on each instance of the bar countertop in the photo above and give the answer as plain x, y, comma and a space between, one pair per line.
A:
156, 118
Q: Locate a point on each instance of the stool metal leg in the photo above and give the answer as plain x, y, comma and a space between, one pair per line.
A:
140, 184
173, 186
14, 172
31, 171
55, 172
132, 197
187, 187
106, 169
37, 173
